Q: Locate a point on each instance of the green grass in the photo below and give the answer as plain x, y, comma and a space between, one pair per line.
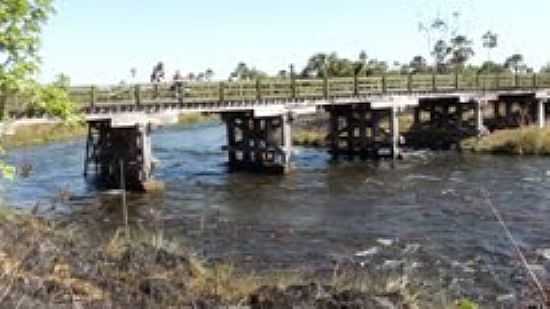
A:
522, 141
309, 137
194, 118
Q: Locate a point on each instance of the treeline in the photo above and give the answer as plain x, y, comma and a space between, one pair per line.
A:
450, 51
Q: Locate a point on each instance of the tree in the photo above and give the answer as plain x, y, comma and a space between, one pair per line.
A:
209, 74
243, 72
461, 51
21, 22
440, 53
545, 68
418, 65
516, 63
491, 67
490, 41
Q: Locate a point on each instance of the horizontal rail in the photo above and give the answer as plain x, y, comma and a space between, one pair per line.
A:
292, 88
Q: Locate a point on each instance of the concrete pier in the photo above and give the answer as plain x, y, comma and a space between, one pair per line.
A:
260, 143
116, 149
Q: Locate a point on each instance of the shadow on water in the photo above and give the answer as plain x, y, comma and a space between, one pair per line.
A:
323, 212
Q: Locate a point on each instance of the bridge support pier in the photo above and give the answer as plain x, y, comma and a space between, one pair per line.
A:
358, 130
110, 147
519, 110
259, 144
441, 122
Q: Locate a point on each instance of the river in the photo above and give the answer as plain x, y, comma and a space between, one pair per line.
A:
320, 214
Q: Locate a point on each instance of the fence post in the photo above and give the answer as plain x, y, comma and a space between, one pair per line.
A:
355, 84
3, 100
258, 89
497, 82
476, 81
434, 87
409, 82
221, 89
93, 96
292, 82
384, 83
156, 90
325, 83
137, 94
456, 78
534, 80
516, 80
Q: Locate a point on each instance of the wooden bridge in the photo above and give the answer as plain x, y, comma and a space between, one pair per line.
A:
364, 114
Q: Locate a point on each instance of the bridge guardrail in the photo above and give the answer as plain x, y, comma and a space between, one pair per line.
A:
283, 89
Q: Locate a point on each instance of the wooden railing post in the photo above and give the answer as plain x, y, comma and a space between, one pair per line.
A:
535, 81
456, 78
292, 82
409, 82
93, 96
477, 86
516, 80
355, 84
137, 94
497, 81
434, 86
258, 89
156, 90
325, 83
221, 90
3, 100
384, 90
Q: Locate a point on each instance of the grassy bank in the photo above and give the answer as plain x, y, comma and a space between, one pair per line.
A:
195, 118
36, 134
521, 141
42, 133
46, 263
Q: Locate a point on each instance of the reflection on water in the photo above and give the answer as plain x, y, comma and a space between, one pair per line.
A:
321, 212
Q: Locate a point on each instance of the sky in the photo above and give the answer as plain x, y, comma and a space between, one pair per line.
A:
99, 41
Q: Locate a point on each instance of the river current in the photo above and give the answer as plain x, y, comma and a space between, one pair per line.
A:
322, 213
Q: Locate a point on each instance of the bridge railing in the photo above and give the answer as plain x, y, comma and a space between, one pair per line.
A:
289, 89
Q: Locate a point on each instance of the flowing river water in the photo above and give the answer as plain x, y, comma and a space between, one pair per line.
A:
323, 213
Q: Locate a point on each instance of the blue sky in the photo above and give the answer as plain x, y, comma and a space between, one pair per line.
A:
99, 41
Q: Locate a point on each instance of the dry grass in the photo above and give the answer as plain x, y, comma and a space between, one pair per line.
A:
195, 118
34, 134
311, 138
522, 141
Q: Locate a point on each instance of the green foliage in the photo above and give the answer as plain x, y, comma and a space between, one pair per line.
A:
243, 72
21, 23
467, 304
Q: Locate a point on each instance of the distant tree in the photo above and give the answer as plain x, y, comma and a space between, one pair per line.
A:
377, 67
440, 53
362, 64
243, 72
516, 63
545, 68
491, 67
200, 76
283, 74
62, 81
418, 65
209, 74
490, 41
461, 51
133, 73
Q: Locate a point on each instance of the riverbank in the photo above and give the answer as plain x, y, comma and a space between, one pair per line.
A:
47, 263
521, 141
38, 132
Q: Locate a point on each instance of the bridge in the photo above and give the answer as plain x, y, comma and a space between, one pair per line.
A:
363, 111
